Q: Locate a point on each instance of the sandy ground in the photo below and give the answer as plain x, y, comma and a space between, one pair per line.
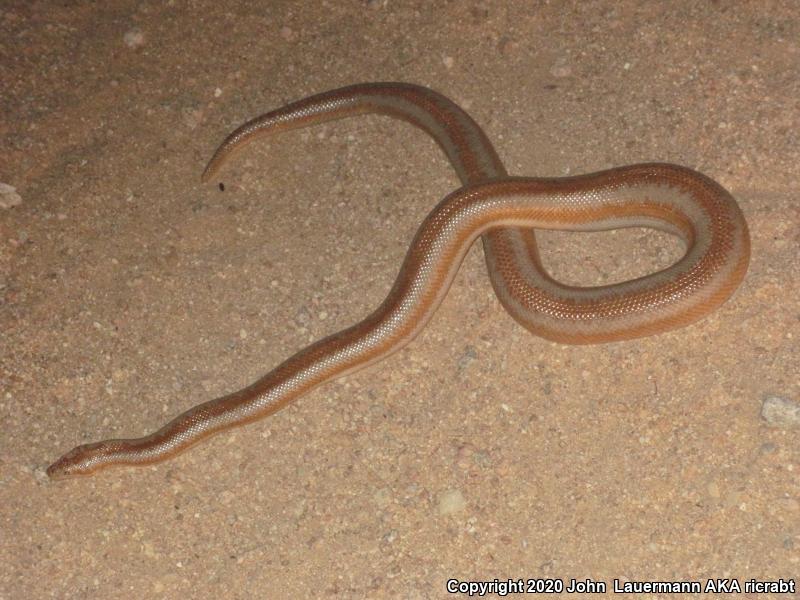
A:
130, 292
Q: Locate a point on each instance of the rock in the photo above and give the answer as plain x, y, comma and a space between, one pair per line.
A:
451, 501
781, 412
9, 196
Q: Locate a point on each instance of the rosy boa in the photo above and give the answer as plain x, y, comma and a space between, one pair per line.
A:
503, 211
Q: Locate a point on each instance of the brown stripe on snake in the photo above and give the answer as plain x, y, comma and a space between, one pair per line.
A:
503, 211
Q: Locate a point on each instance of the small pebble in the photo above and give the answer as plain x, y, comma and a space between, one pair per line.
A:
287, 33
451, 501
469, 355
133, 38
390, 537
781, 412
9, 196
560, 68
302, 317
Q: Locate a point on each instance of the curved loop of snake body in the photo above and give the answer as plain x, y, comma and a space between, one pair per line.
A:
503, 211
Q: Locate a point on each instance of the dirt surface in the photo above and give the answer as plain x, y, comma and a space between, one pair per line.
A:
131, 292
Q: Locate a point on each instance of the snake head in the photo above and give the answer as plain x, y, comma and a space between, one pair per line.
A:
82, 460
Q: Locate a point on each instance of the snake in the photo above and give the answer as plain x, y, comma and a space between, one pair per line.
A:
503, 211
